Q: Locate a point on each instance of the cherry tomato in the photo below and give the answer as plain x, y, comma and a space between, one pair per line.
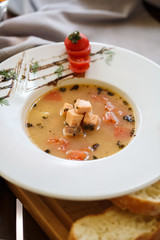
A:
79, 69
82, 53
80, 45
79, 62
78, 49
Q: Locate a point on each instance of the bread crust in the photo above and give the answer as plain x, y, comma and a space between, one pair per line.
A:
137, 205
155, 235
71, 236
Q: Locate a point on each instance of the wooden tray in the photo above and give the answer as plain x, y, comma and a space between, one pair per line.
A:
56, 216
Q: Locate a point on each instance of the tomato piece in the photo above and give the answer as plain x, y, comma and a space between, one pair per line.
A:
79, 62
99, 98
61, 143
87, 149
79, 69
80, 45
82, 53
77, 155
110, 117
109, 106
55, 95
122, 133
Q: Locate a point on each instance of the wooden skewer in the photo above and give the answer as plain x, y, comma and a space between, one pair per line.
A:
55, 225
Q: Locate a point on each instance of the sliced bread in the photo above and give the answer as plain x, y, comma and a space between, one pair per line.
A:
145, 201
116, 224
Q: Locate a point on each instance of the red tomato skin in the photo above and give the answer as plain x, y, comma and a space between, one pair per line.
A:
79, 62
53, 96
79, 69
80, 45
82, 53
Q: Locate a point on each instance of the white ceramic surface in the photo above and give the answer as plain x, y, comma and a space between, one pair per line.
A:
133, 168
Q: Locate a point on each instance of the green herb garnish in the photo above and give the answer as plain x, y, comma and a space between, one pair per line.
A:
109, 57
3, 102
34, 67
74, 37
59, 70
29, 125
121, 146
47, 151
8, 74
128, 118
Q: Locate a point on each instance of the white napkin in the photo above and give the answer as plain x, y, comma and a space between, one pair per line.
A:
124, 23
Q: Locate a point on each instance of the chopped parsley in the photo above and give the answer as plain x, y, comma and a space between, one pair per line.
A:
95, 146
44, 117
8, 74
110, 93
128, 118
29, 125
62, 89
47, 151
3, 102
59, 70
109, 56
121, 146
75, 87
132, 132
99, 89
34, 67
125, 102
39, 125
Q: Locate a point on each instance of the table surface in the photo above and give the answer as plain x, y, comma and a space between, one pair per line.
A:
32, 230
8, 218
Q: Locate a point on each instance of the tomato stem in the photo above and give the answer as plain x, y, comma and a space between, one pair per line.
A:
74, 37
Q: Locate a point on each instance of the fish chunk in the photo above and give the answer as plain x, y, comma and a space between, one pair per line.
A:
66, 107
72, 131
73, 118
90, 121
82, 106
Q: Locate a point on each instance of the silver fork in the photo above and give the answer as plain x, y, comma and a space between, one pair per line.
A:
19, 220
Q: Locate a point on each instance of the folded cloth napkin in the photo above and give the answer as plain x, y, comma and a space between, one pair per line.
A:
124, 23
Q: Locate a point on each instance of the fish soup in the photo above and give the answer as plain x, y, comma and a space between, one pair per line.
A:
81, 122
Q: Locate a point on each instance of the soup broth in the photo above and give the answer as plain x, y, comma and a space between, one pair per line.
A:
115, 128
